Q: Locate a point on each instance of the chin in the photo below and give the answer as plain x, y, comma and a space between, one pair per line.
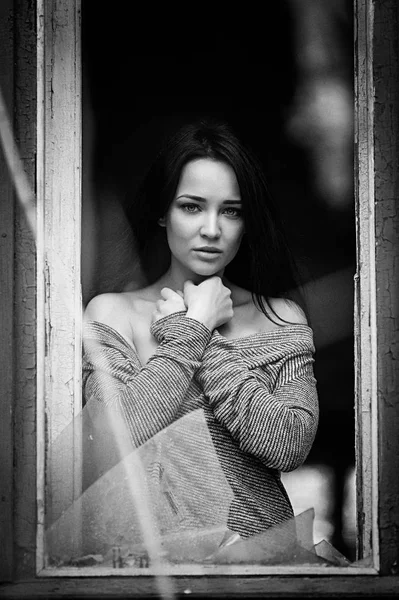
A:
205, 273
201, 270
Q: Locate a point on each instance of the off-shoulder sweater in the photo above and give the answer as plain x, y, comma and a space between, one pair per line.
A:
258, 394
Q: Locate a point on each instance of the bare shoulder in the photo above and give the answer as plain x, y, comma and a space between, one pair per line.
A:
129, 313
103, 307
288, 311
112, 309
284, 309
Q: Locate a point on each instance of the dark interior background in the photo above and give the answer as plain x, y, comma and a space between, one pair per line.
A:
148, 69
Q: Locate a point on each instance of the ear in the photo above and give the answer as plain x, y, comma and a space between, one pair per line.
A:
162, 222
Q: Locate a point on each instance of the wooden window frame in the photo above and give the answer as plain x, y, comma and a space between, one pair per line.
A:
42, 296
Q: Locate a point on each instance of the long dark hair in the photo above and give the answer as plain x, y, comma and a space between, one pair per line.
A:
264, 264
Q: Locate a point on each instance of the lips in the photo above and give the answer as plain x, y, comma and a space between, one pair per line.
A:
210, 249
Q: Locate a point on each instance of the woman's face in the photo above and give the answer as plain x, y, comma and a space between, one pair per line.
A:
204, 223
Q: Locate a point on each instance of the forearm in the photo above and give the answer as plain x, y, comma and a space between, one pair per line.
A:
150, 397
276, 426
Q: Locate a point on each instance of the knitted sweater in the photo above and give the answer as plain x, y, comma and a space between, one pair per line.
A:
258, 394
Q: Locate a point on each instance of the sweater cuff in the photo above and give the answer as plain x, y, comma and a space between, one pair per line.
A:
178, 326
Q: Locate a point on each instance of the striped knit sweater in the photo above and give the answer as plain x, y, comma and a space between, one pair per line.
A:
258, 395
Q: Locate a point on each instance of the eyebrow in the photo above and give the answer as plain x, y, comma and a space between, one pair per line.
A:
200, 199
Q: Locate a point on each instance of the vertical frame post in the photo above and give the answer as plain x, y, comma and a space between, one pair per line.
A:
59, 161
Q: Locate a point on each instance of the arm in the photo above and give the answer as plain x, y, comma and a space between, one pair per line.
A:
277, 427
147, 396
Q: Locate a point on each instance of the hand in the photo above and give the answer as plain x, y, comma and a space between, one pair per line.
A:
209, 302
169, 303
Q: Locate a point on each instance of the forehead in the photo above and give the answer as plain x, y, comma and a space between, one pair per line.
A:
208, 178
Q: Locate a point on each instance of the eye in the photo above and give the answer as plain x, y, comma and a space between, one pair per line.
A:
233, 212
190, 207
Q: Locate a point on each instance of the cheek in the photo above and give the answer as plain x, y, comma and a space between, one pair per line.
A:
237, 236
176, 228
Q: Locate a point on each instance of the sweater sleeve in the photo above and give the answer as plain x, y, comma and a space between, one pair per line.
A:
149, 396
277, 425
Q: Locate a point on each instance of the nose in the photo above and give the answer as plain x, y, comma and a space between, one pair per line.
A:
210, 227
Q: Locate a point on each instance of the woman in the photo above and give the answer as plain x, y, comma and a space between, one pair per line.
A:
216, 327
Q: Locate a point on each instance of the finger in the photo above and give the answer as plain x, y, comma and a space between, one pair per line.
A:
187, 286
180, 293
167, 293
158, 305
